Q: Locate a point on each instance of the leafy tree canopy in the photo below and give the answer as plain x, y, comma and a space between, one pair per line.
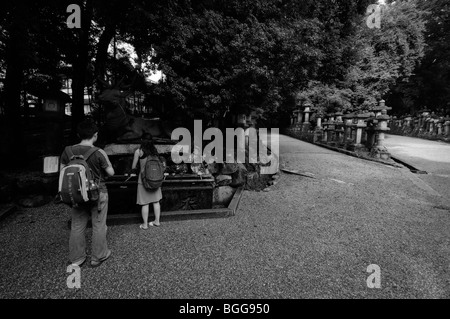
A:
378, 59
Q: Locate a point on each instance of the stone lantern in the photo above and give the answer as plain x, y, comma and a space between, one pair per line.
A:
54, 107
424, 114
447, 126
380, 151
378, 109
427, 125
318, 131
416, 124
325, 129
440, 125
294, 117
348, 126
241, 119
299, 114
360, 126
368, 134
319, 117
307, 111
331, 130
433, 124
408, 120
339, 128
53, 111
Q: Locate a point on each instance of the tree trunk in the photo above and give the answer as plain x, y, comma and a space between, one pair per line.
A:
102, 54
80, 67
15, 61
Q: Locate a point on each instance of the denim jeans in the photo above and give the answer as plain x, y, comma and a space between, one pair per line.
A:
80, 218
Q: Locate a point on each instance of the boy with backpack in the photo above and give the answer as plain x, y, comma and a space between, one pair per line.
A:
151, 176
82, 186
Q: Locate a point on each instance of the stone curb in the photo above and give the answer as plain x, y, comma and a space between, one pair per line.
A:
354, 154
230, 211
409, 166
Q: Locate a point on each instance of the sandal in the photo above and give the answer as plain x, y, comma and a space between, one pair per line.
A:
141, 226
153, 224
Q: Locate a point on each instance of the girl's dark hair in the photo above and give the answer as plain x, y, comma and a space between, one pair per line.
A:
148, 148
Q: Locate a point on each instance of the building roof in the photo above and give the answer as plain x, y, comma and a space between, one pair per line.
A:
45, 94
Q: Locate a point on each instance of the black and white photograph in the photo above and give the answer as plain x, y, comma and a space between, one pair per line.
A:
223, 156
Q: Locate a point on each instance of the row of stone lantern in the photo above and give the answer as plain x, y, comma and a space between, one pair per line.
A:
356, 132
300, 118
426, 124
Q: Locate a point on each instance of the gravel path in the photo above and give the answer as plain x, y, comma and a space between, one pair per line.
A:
306, 238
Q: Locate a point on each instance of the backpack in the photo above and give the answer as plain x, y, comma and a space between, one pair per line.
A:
77, 184
153, 174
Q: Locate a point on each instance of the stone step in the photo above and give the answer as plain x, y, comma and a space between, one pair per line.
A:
132, 218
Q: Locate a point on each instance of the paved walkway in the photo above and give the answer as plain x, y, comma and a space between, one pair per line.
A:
306, 238
430, 156
425, 155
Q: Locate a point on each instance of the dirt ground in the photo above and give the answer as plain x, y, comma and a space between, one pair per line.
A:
308, 237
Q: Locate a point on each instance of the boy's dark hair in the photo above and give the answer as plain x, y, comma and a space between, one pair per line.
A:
148, 148
87, 129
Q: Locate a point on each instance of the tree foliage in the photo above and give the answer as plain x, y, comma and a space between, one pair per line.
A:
235, 56
429, 86
378, 59
223, 57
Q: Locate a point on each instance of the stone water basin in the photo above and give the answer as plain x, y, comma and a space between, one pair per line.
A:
184, 192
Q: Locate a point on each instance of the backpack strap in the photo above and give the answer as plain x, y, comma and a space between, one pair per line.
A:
69, 152
91, 151
88, 154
